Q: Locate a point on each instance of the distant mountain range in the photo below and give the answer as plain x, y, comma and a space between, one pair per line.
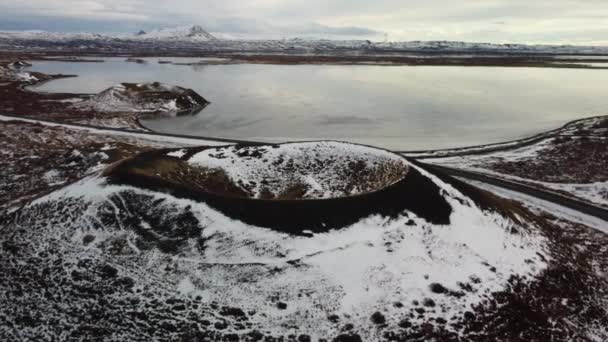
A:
196, 37
190, 33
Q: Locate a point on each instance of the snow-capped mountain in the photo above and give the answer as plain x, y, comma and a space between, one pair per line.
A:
195, 32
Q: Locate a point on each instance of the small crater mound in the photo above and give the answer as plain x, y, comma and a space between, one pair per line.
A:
300, 188
151, 98
299, 171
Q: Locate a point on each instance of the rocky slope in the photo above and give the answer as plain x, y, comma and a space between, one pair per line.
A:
145, 97
570, 160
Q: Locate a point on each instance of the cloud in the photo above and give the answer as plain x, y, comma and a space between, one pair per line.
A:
540, 21
315, 28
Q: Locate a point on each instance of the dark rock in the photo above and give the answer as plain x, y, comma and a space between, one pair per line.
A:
125, 282
429, 303
378, 318
304, 338
404, 323
255, 336
348, 327
231, 338
233, 312
168, 326
108, 271
347, 338
438, 288
87, 239
179, 307
220, 325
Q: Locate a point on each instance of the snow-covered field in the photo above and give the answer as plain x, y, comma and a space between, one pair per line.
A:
133, 259
377, 275
594, 192
570, 160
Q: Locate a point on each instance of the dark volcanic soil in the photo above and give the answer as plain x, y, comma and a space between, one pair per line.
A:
56, 288
37, 159
567, 160
571, 160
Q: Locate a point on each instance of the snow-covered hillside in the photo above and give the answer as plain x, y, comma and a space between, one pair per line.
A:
194, 33
126, 262
145, 97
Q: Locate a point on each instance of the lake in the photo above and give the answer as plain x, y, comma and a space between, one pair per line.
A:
395, 107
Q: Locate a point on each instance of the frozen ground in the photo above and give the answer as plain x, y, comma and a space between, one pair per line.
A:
130, 264
40, 157
571, 160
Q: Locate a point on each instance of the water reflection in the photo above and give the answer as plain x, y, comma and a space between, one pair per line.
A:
402, 108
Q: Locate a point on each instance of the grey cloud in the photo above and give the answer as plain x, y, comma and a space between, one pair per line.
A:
489, 20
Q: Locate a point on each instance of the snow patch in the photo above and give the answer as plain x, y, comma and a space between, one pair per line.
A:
177, 154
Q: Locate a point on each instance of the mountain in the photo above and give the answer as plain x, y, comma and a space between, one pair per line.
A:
195, 32
186, 37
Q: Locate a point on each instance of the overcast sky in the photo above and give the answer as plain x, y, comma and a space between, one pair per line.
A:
524, 21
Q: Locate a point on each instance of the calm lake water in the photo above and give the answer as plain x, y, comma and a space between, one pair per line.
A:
396, 107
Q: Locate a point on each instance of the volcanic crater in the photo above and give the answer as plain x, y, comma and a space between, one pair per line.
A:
293, 187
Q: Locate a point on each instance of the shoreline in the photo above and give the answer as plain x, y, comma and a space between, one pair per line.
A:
37, 97
401, 59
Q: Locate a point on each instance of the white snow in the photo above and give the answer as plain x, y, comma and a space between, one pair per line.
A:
185, 287
53, 177
280, 167
118, 99
177, 154
352, 272
549, 207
